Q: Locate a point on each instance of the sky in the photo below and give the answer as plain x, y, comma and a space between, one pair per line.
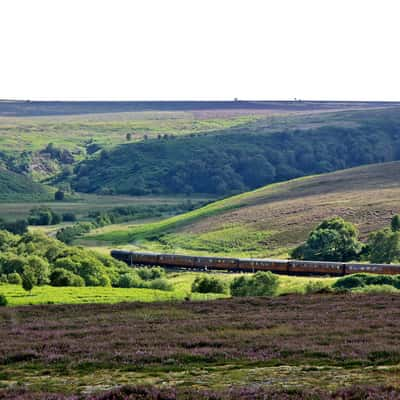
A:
200, 50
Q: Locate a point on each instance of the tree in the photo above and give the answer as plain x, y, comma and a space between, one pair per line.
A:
395, 223
27, 281
384, 246
129, 136
332, 240
59, 195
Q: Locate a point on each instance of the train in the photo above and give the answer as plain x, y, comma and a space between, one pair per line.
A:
287, 267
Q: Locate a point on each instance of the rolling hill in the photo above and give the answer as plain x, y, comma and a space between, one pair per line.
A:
269, 220
18, 187
243, 157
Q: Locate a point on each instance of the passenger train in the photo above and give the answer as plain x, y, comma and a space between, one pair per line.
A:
289, 267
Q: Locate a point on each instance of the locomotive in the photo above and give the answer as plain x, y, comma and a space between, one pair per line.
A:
288, 267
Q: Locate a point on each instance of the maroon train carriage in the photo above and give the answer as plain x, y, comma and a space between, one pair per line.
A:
389, 269
215, 263
175, 260
316, 267
256, 264
135, 258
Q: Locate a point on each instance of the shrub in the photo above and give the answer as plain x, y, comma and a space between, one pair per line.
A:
208, 285
3, 300
63, 277
130, 280
69, 217
3, 278
160, 284
259, 284
27, 281
357, 281
350, 282
148, 274
14, 278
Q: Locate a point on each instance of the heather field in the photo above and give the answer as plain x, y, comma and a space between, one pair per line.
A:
294, 342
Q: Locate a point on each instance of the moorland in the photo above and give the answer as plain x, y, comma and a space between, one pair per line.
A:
228, 178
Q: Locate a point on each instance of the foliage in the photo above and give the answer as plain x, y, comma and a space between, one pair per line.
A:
236, 160
69, 217
27, 281
151, 278
14, 278
3, 300
259, 284
332, 240
63, 277
70, 233
209, 285
43, 216
395, 223
384, 246
357, 281
16, 186
18, 227
59, 195
148, 274
40, 259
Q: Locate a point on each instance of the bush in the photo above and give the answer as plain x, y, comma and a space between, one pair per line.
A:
62, 277
14, 278
208, 285
160, 284
148, 274
69, 217
130, 280
259, 284
359, 281
350, 282
3, 300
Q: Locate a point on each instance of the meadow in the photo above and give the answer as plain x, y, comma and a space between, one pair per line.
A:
288, 342
181, 281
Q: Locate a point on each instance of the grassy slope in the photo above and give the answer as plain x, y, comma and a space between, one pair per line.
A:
19, 187
270, 219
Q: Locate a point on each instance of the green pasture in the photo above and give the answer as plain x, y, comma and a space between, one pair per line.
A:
181, 281
84, 203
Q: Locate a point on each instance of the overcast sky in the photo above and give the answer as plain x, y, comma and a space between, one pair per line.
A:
203, 49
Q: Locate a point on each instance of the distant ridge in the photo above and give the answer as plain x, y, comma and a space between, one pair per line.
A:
37, 108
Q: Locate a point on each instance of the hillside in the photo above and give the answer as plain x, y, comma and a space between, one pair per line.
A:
272, 219
17, 187
243, 157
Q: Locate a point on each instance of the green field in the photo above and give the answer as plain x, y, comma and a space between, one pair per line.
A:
181, 281
73, 132
84, 203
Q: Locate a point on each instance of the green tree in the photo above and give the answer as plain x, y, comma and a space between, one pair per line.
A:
59, 195
384, 246
129, 136
27, 281
332, 240
395, 223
